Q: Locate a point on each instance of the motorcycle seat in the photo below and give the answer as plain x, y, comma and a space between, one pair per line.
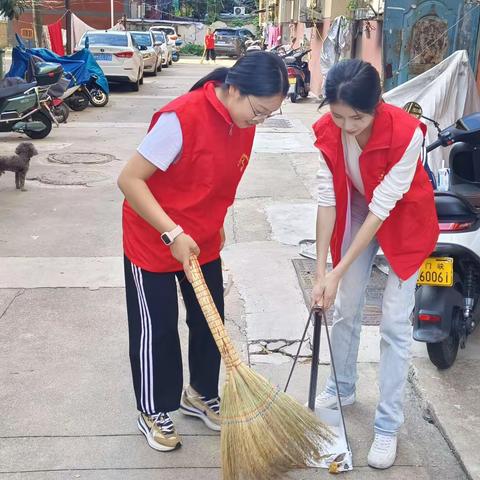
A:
471, 192
454, 207
16, 89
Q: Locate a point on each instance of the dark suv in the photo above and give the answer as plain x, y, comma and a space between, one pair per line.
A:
231, 41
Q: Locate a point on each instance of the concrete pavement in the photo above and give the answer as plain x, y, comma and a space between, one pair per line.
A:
67, 403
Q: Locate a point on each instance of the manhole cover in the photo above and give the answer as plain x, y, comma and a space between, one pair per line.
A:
84, 157
305, 269
71, 177
277, 123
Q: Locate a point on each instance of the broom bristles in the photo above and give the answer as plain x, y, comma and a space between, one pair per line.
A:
265, 432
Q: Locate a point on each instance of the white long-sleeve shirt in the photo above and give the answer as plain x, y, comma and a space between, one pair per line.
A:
388, 192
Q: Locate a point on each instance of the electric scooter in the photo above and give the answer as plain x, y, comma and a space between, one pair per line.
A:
447, 298
24, 107
298, 75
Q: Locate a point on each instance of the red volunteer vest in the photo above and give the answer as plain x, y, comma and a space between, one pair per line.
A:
198, 188
210, 41
411, 231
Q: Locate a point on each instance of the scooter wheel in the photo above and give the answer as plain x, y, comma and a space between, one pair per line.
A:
293, 97
99, 97
78, 102
444, 353
40, 117
61, 112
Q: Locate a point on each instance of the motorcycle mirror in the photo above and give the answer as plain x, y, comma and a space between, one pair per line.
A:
413, 108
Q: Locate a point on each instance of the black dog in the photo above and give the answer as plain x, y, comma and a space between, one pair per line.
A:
18, 163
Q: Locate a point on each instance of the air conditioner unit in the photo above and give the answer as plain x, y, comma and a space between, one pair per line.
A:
239, 11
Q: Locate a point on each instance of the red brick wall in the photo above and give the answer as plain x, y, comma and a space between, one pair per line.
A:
95, 13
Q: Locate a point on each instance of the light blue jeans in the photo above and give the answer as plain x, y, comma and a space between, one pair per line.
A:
395, 330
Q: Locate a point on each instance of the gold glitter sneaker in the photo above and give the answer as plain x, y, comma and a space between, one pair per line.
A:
159, 431
193, 404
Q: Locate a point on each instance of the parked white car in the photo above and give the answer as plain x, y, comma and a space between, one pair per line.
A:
117, 54
167, 45
151, 51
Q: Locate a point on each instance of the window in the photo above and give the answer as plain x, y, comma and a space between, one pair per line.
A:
142, 39
108, 39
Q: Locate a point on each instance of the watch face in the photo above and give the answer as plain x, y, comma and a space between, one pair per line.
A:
166, 239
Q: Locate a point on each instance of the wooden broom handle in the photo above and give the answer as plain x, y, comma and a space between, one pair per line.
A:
215, 323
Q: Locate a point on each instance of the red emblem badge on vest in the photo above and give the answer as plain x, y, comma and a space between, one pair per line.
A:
243, 162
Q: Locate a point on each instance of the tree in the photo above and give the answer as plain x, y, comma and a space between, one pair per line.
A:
12, 9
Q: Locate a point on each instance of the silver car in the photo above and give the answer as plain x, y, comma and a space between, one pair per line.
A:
151, 51
166, 46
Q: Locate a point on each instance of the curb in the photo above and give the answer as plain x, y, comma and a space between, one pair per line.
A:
431, 416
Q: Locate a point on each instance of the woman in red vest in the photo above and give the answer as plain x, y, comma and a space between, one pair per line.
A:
178, 187
210, 46
373, 192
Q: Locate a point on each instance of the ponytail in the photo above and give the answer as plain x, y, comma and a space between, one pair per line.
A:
218, 75
261, 74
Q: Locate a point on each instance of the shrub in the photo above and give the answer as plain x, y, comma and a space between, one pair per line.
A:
192, 49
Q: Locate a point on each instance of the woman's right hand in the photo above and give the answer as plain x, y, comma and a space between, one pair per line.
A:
318, 292
182, 248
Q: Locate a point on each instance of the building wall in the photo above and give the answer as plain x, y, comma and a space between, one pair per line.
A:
93, 12
368, 43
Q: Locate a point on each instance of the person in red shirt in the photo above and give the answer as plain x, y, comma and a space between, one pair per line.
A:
178, 187
209, 46
373, 193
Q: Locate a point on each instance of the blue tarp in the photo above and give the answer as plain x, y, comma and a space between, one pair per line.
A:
80, 66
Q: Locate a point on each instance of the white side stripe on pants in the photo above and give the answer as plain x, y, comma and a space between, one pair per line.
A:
146, 360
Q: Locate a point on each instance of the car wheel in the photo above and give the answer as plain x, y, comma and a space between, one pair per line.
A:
140, 82
166, 64
170, 61
155, 70
159, 66
135, 86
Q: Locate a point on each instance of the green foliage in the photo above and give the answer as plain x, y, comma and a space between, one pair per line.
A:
12, 9
192, 49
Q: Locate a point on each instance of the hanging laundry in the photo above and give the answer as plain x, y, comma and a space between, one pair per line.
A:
273, 34
56, 40
79, 27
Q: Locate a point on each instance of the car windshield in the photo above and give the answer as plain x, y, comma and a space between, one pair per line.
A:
159, 37
110, 39
231, 33
143, 39
166, 30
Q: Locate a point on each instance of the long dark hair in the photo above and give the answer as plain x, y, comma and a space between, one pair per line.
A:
355, 83
261, 74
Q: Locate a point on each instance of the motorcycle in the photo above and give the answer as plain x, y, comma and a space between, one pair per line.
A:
253, 45
88, 83
298, 75
176, 50
24, 107
447, 307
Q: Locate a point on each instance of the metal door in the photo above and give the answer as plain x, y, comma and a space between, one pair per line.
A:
420, 34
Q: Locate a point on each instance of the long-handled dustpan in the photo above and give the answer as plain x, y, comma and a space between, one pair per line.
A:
338, 458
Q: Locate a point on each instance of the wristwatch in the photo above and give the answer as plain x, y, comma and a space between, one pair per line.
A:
169, 237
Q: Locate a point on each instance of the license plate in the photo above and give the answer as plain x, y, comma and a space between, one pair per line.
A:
292, 81
105, 57
437, 272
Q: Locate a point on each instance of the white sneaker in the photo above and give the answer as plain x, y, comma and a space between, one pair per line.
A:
329, 400
383, 451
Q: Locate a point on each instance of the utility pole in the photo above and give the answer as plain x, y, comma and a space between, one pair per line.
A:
37, 25
112, 20
68, 26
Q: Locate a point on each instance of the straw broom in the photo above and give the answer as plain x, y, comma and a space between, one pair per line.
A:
265, 432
